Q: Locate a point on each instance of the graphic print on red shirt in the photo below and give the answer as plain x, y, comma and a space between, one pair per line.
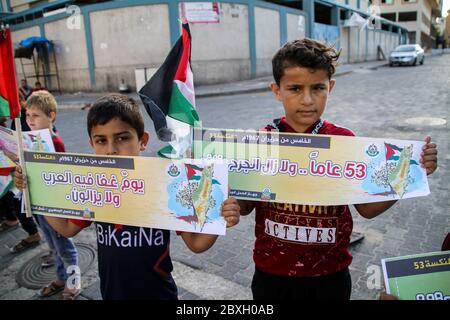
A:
302, 240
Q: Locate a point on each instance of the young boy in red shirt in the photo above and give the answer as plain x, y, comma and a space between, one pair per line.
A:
315, 268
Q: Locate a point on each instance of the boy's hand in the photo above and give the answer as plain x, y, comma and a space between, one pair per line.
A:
387, 296
428, 157
19, 179
230, 210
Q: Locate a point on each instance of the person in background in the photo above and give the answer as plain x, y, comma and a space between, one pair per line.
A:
38, 87
25, 88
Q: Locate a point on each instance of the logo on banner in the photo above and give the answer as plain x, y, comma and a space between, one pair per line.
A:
266, 194
372, 151
173, 171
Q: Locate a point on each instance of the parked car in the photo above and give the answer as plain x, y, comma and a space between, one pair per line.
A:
409, 54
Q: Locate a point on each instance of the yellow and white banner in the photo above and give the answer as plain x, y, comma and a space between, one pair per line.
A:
314, 169
137, 191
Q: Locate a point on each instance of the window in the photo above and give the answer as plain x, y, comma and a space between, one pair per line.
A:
410, 1
407, 16
412, 36
387, 1
389, 16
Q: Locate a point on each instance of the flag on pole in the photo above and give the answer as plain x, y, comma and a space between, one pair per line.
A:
169, 98
9, 94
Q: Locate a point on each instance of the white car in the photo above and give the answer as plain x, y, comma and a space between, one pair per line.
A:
409, 54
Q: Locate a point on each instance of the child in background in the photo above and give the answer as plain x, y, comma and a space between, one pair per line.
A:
41, 114
11, 206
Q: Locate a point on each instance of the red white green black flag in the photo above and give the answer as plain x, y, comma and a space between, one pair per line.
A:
169, 98
9, 94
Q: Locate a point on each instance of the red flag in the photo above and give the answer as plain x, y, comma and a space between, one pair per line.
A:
9, 94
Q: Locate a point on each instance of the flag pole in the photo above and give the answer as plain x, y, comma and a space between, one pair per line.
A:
25, 193
5, 32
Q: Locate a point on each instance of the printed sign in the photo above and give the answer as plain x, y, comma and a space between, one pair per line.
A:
314, 169
137, 191
418, 277
200, 12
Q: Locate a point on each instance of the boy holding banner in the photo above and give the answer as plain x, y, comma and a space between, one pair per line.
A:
313, 264
139, 269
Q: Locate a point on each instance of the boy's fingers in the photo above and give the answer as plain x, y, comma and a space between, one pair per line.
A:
430, 151
430, 157
429, 160
229, 200
230, 211
231, 221
431, 146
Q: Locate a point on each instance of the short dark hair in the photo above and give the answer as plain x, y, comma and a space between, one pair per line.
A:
113, 106
307, 53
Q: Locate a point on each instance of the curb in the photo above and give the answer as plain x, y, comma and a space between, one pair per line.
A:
234, 92
222, 93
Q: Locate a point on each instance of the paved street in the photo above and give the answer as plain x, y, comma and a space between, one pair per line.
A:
400, 102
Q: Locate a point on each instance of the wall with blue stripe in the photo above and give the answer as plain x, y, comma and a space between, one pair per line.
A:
102, 44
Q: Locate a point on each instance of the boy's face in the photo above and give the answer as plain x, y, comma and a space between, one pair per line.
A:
37, 119
304, 94
117, 137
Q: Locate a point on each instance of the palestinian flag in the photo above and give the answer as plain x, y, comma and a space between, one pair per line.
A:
169, 98
9, 95
393, 153
193, 172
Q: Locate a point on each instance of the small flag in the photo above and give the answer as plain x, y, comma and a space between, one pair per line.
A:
393, 153
169, 98
9, 94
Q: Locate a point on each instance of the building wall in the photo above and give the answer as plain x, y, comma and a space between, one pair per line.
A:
363, 46
447, 29
126, 38
422, 7
267, 23
135, 34
425, 9
17, 36
71, 55
223, 57
296, 27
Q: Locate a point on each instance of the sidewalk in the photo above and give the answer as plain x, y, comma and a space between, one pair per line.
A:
78, 100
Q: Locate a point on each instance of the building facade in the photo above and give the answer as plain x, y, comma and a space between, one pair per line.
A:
446, 32
418, 16
100, 43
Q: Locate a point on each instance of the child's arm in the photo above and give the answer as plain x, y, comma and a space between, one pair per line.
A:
61, 225
428, 160
371, 210
200, 242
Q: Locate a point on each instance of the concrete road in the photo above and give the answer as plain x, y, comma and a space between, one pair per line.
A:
400, 102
